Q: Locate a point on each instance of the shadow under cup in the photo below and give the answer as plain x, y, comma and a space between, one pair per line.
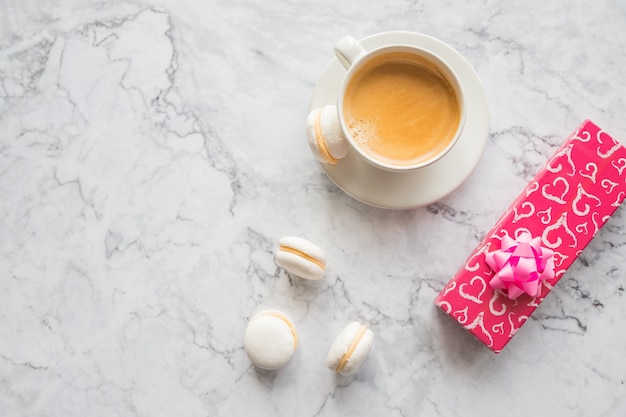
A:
401, 108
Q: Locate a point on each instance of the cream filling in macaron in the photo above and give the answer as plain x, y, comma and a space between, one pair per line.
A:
355, 342
289, 324
302, 255
321, 143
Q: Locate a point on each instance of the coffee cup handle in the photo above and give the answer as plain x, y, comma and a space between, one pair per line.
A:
348, 50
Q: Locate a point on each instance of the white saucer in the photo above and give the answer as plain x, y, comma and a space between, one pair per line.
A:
385, 189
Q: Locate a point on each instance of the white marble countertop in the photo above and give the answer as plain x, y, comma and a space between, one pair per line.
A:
151, 156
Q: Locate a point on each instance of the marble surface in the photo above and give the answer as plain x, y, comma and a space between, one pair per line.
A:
152, 153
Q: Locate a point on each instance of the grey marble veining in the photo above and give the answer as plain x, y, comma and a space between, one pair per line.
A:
153, 153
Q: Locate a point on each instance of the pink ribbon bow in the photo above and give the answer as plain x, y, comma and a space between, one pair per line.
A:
521, 265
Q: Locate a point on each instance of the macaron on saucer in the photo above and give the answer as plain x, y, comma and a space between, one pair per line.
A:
324, 135
270, 339
405, 190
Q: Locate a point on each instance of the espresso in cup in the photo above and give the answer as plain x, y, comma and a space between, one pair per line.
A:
400, 109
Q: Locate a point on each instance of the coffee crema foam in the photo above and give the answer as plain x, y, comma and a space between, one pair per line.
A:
401, 110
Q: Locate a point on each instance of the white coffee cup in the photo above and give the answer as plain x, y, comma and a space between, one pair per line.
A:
399, 107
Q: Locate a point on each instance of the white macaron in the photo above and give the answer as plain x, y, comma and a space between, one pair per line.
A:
324, 134
270, 339
300, 257
350, 348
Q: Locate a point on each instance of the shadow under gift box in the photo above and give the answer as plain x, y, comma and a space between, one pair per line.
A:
566, 204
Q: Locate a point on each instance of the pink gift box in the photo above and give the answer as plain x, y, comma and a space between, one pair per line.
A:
565, 205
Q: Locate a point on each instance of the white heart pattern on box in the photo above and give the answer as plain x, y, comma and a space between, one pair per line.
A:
474, 291
608, 185
567, 152
591, 170
612, 142
530, 207
619, 165
560, 223
551, 191
580, 193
